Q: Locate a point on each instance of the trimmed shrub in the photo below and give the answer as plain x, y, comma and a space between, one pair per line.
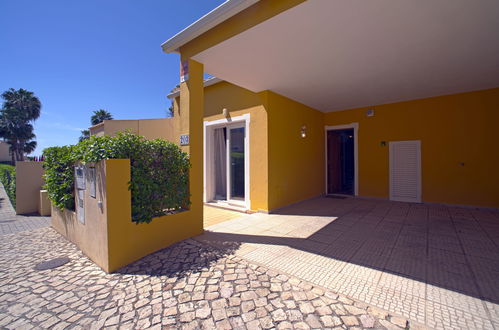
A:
59, 176
159, 172
8, 178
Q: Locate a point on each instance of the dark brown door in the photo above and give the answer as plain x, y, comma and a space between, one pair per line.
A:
340, 162
333, 162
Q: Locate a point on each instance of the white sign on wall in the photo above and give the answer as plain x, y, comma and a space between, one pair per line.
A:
91, 181
80, 177
80, 209
80, 192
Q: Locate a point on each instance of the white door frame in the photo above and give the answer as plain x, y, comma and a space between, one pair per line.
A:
355, 127
208, 127
391, 144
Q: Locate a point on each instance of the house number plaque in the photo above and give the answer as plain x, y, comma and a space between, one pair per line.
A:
184, 139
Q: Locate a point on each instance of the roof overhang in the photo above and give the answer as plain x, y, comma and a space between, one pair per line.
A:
208, 82
218, 15
334, 54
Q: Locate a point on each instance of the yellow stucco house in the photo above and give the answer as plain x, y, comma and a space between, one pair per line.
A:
319, 97
379, 100
390, 100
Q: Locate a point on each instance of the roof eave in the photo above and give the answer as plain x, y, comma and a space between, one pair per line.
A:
218, 15
207, 82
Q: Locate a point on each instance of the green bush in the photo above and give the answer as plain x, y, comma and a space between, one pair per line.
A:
8, 178
159, 172
59, 176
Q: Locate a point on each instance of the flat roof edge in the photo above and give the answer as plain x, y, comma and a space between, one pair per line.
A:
218, 15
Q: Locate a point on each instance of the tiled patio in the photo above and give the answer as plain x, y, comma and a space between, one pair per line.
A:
215, 215
433, 264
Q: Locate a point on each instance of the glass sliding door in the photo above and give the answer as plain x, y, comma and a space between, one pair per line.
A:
227, 145
220, 163
236, 164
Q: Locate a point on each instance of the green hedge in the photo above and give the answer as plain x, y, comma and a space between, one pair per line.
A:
159, 172
8, 178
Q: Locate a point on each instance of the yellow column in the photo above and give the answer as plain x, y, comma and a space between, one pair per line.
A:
189, 121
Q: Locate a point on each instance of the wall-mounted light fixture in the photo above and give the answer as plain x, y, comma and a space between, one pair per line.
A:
370, 112
303, 131
225, 112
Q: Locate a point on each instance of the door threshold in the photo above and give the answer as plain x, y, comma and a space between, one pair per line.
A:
229, 207
338, 196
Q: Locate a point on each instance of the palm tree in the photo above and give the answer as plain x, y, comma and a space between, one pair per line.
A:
28, 106
19, 110
85, 134
29, 147
99, 116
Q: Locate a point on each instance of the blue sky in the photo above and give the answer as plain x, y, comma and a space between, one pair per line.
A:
85, 55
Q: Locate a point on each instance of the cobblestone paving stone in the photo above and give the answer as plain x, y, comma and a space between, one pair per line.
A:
189, 285
11, 223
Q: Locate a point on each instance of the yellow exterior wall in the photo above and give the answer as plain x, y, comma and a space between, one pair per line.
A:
453, 129
161, 128
296, 164
109, 237
251, 16
111, 127
97, 130
158, 128
129, 241
239, 101
29, 182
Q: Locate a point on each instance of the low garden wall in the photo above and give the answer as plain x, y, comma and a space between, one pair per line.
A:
108, 236
91, 234
29, 182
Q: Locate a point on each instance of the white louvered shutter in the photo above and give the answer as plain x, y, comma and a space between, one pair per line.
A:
405, 171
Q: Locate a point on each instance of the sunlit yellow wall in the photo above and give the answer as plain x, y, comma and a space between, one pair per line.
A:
128, 241
296, 164
239, 101
157, 128
111, 127
453, 129
253, 15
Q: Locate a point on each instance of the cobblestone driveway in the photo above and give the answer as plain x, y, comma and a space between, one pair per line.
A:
188, 285
12, 223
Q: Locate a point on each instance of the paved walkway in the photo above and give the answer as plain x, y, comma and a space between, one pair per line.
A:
433, 264
189, 285
12, 223
215, 215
